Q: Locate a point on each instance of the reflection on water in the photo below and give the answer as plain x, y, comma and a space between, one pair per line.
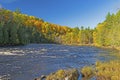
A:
28, 62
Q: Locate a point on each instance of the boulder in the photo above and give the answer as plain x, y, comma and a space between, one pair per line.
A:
41, 78
70, 74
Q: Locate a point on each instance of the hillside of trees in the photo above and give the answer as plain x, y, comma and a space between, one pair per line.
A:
20, 29
107, 33
17, 28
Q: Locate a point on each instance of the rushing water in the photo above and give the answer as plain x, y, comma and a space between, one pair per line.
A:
31, 61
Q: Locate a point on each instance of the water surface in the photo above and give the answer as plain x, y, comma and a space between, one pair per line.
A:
30, 61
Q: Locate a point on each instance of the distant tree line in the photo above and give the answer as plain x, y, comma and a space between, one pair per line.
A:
107, 33
20, 29
14, 32
80, 36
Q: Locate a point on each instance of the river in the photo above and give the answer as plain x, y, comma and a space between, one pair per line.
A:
30, 61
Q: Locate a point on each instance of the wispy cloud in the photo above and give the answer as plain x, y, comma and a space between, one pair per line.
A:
8, 1
0, 6
116, 6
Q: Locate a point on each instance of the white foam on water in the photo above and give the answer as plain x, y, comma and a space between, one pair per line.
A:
10, 53
64, 50
17, 51
35, 51
43, 49
5, 77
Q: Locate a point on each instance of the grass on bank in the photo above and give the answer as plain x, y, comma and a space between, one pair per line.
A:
103, 71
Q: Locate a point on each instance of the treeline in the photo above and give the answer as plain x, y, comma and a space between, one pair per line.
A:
13, 31
107, 33
78, 36
17, 28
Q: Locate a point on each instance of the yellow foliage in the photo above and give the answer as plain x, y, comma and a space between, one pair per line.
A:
60, 73
104, 71
87, 71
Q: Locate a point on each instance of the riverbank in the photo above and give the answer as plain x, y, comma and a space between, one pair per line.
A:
93, 45
103, 70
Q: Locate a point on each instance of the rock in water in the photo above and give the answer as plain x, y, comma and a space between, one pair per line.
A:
70, 74
41, 78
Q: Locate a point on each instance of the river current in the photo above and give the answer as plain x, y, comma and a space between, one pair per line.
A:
31, 61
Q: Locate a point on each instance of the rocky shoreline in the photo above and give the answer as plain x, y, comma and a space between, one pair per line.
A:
69, 74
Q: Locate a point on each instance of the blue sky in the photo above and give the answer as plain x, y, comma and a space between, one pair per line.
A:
70, 13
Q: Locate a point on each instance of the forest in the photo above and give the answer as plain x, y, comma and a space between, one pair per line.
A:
20, 29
